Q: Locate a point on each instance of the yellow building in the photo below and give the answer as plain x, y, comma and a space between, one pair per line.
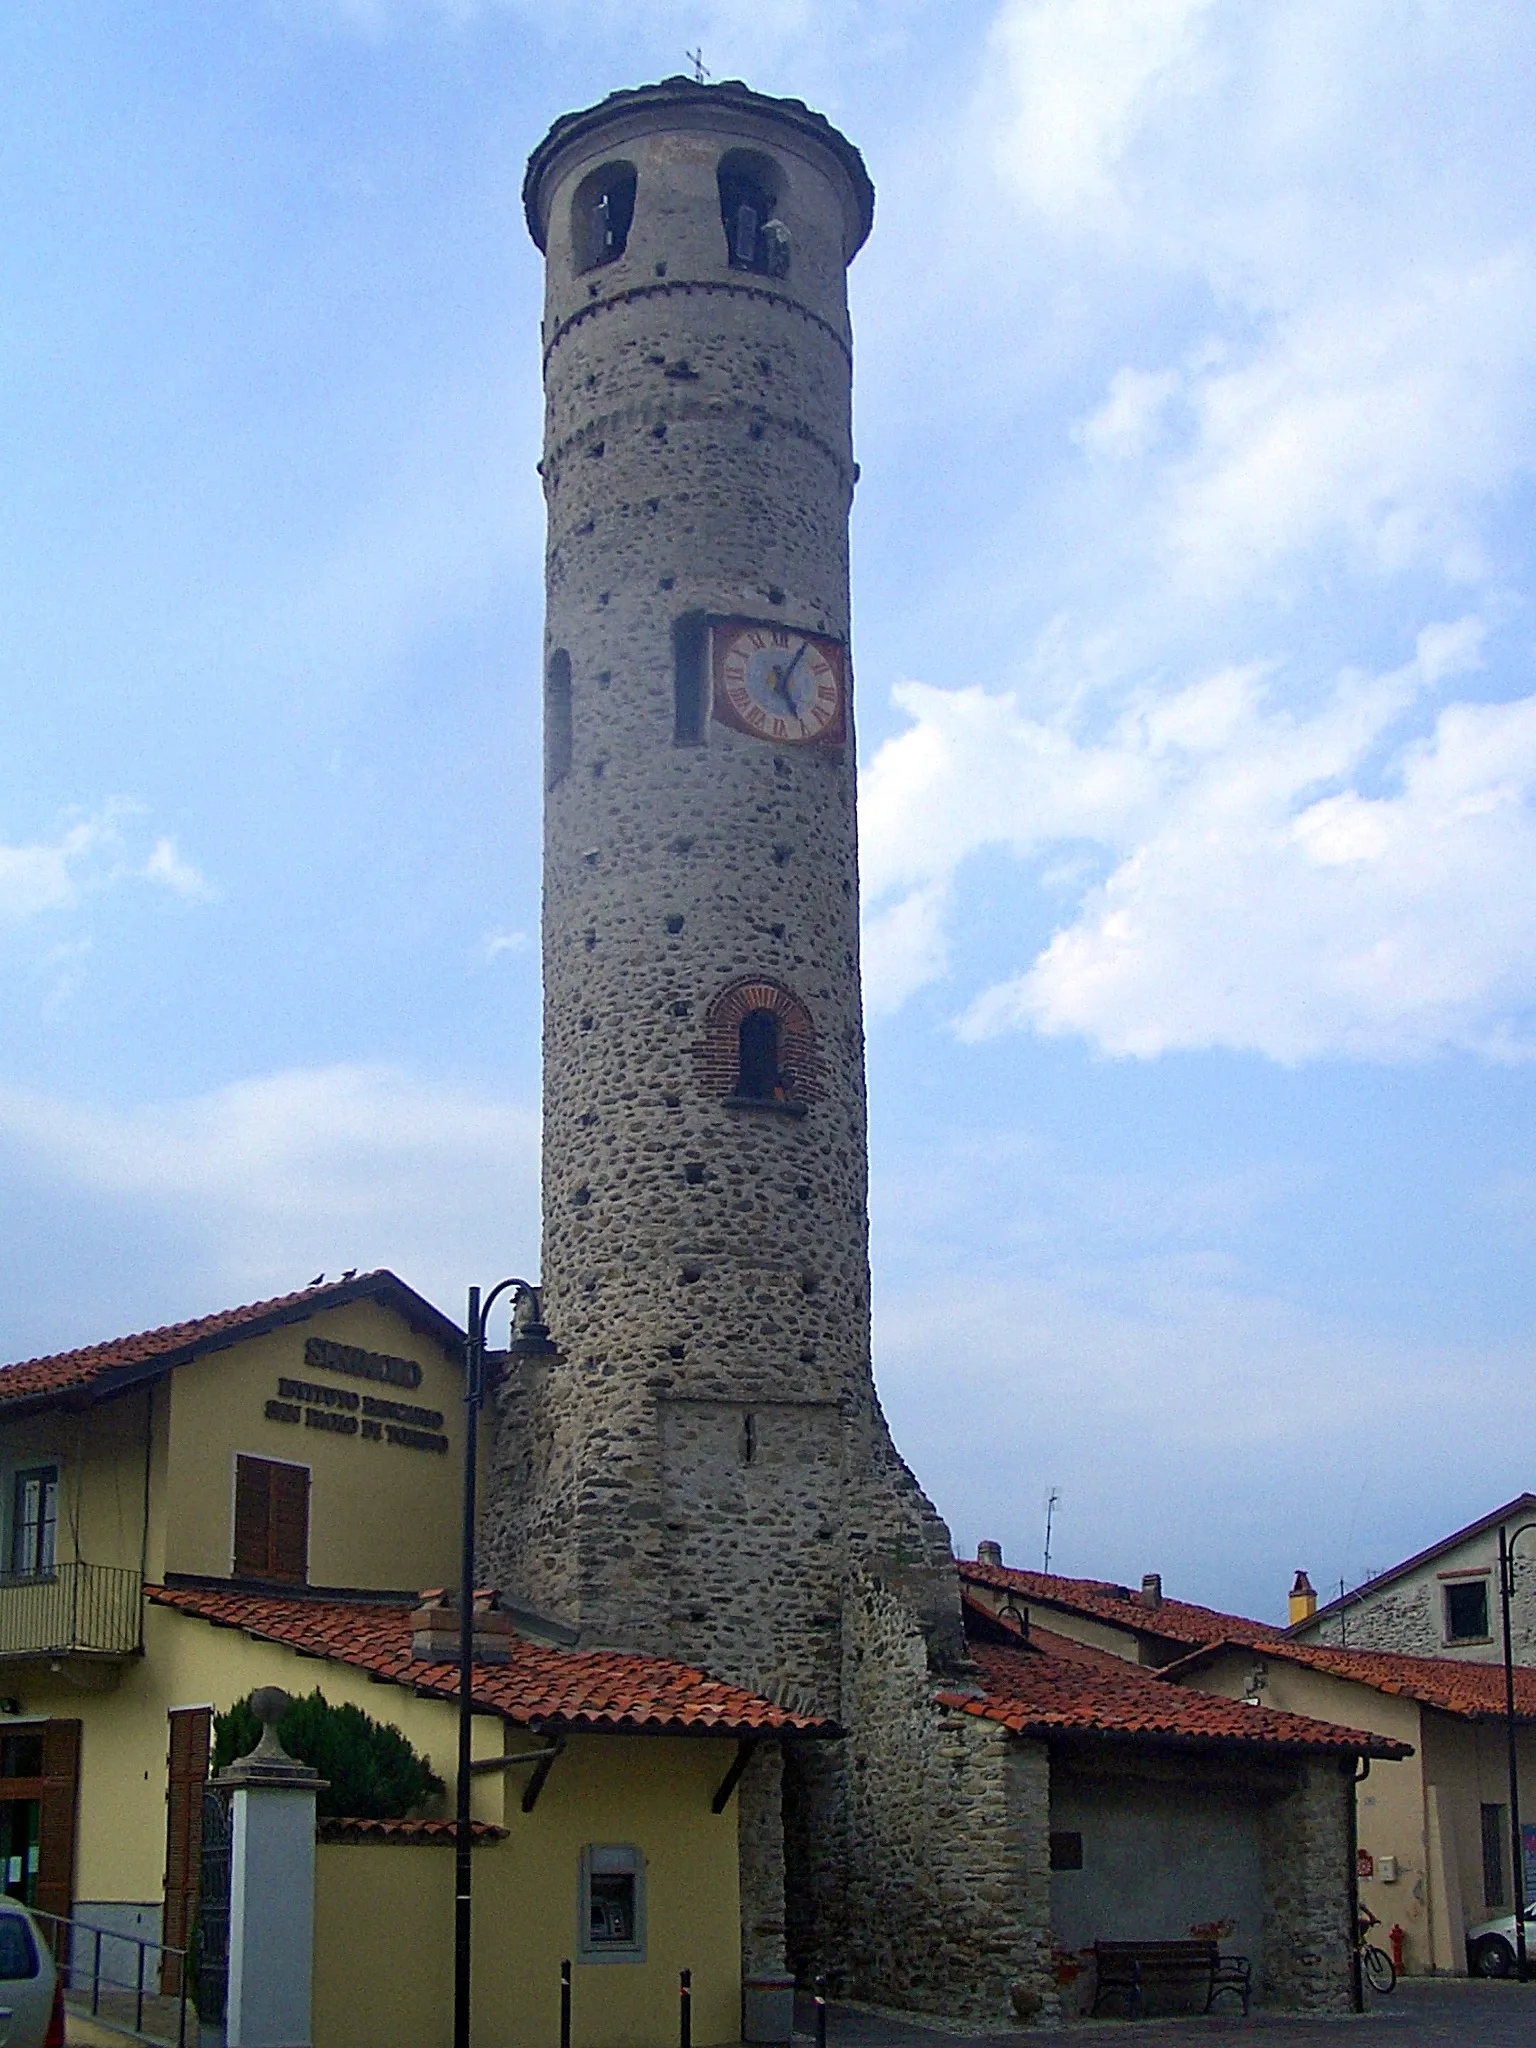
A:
258, 1498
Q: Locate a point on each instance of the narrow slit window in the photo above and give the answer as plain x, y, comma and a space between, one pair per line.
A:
601, 216
757, 1065
749, 1440
755, 237
690, 660
557, 719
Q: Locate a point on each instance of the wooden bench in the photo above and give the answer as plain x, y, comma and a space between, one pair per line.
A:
1132, 1967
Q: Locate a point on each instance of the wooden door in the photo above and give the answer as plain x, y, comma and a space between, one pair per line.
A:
191, 1736
57, 1808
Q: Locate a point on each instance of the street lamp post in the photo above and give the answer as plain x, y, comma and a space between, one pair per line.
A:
1507, 1544
531, 1341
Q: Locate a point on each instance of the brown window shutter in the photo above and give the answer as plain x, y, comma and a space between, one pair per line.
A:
56, 1817
186, 1775
290, 1523
252, 1516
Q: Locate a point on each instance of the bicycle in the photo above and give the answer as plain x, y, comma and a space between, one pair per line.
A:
1377, 1966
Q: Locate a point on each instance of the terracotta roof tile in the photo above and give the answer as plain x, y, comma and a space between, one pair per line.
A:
1178, 1621
1033, 1692
71, 1371
341, 1828
1473, 1691
541, 1687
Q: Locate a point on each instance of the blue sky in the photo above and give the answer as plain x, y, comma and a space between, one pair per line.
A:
1193, 576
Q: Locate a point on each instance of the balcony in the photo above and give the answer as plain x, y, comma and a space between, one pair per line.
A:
75, 1610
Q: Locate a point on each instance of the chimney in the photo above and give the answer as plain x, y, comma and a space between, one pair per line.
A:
1303, 1600
1151, 1589
989, 1553
435, 1628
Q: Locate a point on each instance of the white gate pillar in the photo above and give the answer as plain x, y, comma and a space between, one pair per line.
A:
271, 1888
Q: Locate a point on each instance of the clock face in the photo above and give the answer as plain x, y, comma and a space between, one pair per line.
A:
778, 683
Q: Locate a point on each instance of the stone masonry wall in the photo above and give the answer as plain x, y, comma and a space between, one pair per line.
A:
760, 1835
1307, 1936
948, 1883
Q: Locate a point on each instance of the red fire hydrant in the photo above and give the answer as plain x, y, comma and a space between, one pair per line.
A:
1396, 1938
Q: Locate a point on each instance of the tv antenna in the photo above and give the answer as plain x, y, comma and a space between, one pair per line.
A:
696, 59
1050, 1517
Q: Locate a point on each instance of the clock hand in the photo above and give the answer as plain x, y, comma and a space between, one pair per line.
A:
782, 676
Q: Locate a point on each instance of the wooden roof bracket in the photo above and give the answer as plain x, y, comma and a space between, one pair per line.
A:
543, 1761
728, 1783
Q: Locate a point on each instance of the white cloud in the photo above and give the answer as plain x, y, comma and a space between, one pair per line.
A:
1347, 879
1380, 425
53, 874
91, 854
166, 866
1073, 82
1130, 419
1329, 193
270, 1179
496, 943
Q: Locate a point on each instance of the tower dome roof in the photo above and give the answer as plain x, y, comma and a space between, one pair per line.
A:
717, 102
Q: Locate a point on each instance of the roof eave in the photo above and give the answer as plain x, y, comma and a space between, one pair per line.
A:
1152, 1738
413, 1308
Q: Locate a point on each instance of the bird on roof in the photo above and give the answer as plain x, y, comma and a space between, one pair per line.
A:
317, 1280
350, 1273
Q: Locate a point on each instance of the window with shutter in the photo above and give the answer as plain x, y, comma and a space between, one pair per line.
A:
271, 1520
290, 1522
186, 1774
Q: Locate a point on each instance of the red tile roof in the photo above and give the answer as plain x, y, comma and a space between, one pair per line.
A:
1032, 1692
1474, 1692
540, 1688
97, 1369
1177, 1621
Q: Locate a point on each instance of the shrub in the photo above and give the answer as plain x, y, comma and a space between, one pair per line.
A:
371, 1770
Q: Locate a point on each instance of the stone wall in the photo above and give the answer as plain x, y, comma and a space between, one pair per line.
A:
1308, 1839
760, 1836
948, 1889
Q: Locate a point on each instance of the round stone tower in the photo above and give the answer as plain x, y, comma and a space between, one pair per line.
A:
705, 1461
701, 1468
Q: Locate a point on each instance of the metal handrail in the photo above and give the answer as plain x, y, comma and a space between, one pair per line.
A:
89, 1607
62, 1942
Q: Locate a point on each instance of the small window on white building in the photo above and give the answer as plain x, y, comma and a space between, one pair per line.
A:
1466, 1611
34, 1521
611, 1905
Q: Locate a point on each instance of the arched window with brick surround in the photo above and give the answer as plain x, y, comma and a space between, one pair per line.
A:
759, 1049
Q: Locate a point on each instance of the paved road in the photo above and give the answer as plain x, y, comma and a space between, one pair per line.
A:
1421, 2014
